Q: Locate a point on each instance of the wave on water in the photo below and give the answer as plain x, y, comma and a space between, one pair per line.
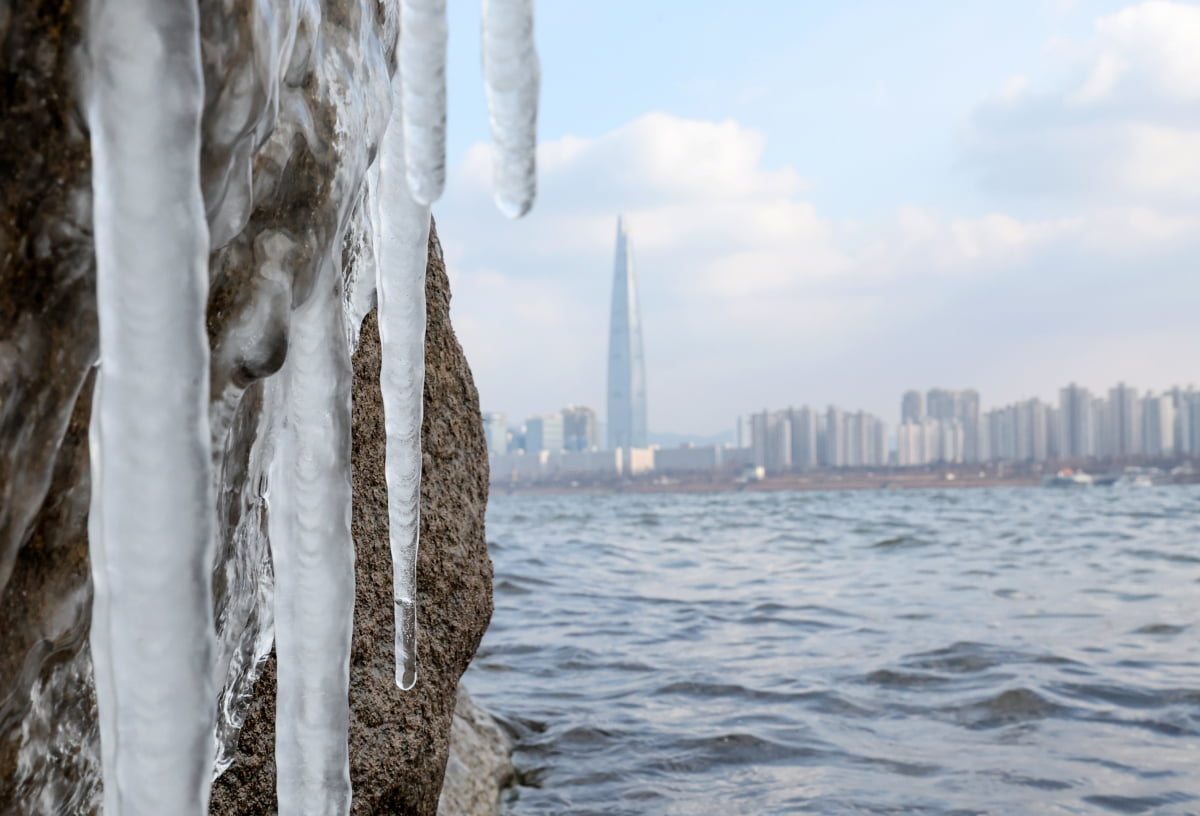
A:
1009, 651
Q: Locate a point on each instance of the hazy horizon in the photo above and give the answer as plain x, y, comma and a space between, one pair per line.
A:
834, 205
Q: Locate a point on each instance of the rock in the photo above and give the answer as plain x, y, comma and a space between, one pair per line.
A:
399, 741
480, 765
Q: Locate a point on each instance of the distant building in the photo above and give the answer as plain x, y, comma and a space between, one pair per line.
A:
516, 439
833, 451
803, 433
771, 438
584, 464
626, 362
688, 459
912, 407
544, 433
1122, 426
518, 466
1158, 425
1189, 414
910, 444
1076, 421
968, 415
581, 429
941, 403
496, 432
637, 460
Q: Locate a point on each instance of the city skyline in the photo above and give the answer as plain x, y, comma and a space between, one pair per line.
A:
951, 407
940, 430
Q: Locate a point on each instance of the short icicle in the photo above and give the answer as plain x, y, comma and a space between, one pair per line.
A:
511, 77
422, 77
152, 514
403, 254
308, 506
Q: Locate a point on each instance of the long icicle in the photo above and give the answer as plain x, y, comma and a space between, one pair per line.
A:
511, 77
422, 76
152, 513
313, 554
403, 254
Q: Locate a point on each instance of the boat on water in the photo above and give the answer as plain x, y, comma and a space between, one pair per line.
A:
1067, 478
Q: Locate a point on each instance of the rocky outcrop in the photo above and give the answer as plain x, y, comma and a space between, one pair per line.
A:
480, 765
399, 740
284, 163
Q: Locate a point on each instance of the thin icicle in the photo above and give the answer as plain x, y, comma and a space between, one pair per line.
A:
422, 76
308, 509
403, 254
151, 524
511, 78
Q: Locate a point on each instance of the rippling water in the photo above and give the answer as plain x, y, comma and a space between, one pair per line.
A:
1015, 651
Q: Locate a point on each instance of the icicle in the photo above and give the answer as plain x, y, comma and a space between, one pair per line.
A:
511, 76
422, 76
308, 509
151, 524
403, 254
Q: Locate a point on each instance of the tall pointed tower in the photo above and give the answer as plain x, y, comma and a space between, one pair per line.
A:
626, 365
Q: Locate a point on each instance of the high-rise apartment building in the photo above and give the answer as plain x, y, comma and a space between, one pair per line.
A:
912, 407
544, 433
1076, 421
496, 432
1122, 423
626, 360
1158, 425
804, 437
967, 413
772, 441
833, 453
581, 429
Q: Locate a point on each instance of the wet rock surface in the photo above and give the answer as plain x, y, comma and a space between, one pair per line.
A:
480, 765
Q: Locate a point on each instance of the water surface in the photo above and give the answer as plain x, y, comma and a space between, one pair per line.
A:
1019, 651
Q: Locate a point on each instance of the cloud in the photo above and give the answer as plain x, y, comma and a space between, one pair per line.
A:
1119, 122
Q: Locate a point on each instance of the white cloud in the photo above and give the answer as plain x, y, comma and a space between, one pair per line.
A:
1119, 123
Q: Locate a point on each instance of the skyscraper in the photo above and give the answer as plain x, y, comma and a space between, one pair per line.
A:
626, 364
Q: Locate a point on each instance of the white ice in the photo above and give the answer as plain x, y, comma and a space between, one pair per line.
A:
422, 77
308, 509
151, 521
403, 254
511, 78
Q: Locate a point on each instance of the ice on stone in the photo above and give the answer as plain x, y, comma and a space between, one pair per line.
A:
511, 77
422, 77
151, 522
403, 254
308, 510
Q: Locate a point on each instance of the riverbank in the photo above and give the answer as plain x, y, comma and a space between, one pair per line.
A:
796, 481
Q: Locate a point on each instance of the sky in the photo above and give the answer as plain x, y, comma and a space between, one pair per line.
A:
833, 201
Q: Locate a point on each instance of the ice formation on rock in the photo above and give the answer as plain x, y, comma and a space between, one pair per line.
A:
511, 78
313, 553
403, 250
151, 522
269, 149
421, 75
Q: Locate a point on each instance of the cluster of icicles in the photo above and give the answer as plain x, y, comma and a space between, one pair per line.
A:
152, 522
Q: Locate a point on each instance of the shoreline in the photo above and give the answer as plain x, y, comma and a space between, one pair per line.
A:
772, 484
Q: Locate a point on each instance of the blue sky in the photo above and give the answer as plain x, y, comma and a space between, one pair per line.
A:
832, 201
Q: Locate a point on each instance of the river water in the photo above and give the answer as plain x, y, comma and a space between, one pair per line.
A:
1019, 650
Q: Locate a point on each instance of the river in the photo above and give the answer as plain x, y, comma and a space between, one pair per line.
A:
1015, 650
